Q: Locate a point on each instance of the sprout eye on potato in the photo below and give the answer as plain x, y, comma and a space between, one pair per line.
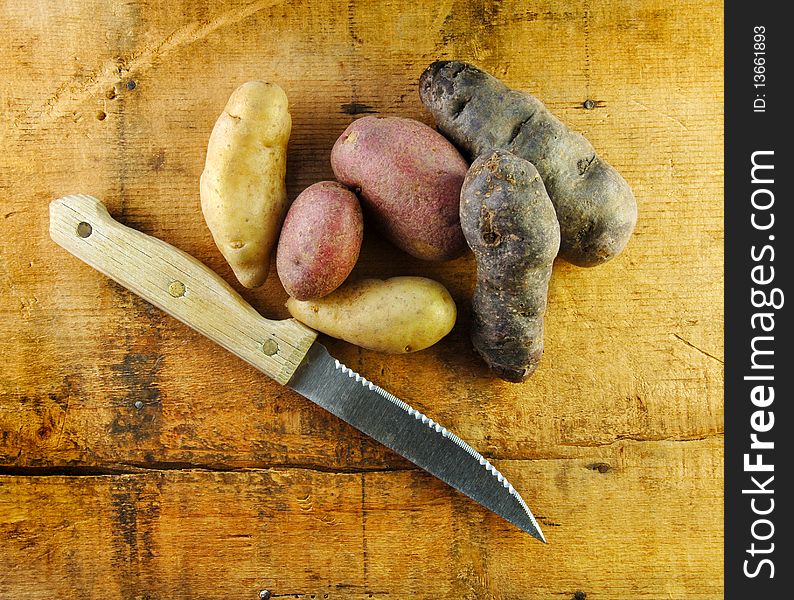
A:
243, 193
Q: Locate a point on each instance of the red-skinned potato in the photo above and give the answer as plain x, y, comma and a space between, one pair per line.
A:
320, 240
410, 178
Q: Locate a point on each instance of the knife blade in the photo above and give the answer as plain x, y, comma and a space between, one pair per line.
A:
285, 350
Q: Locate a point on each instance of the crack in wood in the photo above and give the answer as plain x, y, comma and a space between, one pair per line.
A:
640, 439
133, 468
703, 352
139, 468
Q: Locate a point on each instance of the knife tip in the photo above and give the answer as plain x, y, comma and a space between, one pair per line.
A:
533, 529
538, 534
526, 520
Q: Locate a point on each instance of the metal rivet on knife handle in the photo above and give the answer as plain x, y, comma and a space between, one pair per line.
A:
176, 289
270, 347
84, 229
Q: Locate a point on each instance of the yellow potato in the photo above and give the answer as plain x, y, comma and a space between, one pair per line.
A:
398, 315
243, 194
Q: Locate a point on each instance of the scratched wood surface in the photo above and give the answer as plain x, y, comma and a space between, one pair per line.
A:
137, 460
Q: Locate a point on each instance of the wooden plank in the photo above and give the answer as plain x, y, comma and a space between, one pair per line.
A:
631, 520
633, 348
117, 99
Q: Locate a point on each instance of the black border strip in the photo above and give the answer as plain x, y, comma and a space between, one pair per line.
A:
758, 261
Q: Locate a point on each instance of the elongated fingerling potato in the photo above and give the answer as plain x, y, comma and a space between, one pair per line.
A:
243, 192
595, 207
510, 225
397, 315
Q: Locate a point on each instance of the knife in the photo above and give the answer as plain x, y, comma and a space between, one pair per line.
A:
286, 350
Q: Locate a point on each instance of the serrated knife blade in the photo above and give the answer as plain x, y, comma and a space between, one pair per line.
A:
285, 350
395, 424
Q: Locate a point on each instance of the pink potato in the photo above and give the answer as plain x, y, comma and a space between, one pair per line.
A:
410, 178
320, 240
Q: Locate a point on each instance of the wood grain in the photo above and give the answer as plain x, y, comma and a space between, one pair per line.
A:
303, 533
102, 394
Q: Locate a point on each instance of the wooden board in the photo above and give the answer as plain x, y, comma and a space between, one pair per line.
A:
119, 425
305, 533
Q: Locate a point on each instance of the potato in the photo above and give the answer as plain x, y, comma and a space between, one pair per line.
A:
410, 178
595, 207
243, 194
398, 315
510, 224
320, 240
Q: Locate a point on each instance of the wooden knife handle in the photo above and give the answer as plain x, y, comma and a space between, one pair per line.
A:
178, 284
